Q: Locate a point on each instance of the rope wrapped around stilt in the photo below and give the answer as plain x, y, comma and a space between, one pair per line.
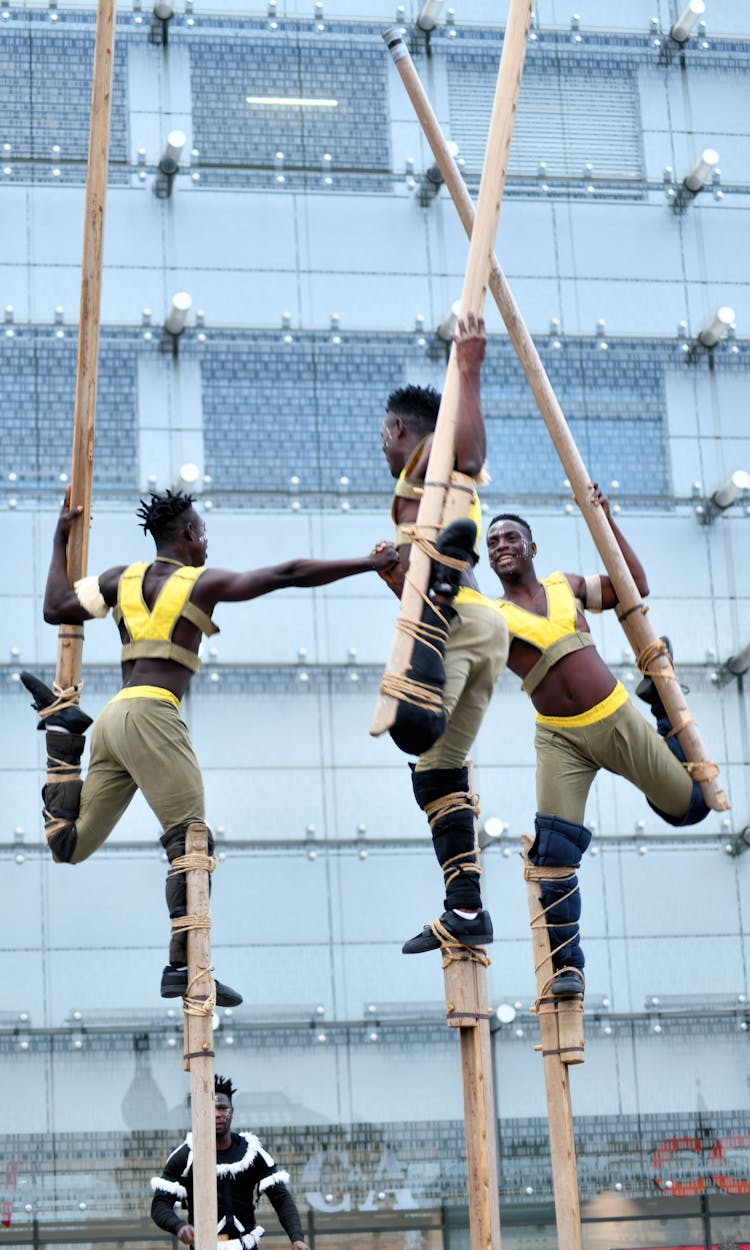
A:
533, 872
183, 924
454, 950
67, 696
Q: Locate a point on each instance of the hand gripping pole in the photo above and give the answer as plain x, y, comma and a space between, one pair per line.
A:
632, 612
429, 518
70, 638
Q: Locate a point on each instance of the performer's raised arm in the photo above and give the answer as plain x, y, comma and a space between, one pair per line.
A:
162, 607
470, 339
90, 596
597, 592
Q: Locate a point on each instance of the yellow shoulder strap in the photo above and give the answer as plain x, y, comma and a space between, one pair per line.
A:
405, 488
562, 604
129, 596
159, 623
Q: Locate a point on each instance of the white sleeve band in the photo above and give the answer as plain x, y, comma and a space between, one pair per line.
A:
90, 596
593, 593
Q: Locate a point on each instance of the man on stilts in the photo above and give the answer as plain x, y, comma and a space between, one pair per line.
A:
139, 741
460, 644
585, 721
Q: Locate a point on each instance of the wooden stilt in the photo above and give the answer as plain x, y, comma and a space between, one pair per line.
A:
199, 1004
70, 638
639, 631
561, 1030
465, 974
472, 300
467, 1011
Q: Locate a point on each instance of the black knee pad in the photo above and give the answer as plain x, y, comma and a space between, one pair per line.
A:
434, 783
415, 729
173, 841
452, 834
63, 843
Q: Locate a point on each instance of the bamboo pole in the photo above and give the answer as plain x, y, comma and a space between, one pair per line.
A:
70, 637
637, 627
553, 1015
199, 1043
466, 1009
472, 300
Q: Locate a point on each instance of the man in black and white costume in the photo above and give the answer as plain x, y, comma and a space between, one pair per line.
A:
244, 1171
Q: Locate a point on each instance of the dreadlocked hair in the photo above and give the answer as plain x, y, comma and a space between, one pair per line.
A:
163, 512
223, 1085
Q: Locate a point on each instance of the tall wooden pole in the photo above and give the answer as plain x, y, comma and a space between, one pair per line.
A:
199, 1005
635, 623
465, 974
472, 300
467, 1011
70, 638
561, 1030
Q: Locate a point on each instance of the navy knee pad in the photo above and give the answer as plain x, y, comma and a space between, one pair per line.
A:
696, 812
697, 808
560, 844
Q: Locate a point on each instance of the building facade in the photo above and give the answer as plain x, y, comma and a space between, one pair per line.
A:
320, 262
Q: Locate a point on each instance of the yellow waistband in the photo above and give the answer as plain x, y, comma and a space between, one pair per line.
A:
596, 713
147, 692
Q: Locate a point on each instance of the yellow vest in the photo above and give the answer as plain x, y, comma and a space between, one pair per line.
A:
407, 488
555, 634
150, 632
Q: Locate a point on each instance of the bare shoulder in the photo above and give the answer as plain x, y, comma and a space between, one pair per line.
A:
419, 471
213, 585
109, 581
577, 583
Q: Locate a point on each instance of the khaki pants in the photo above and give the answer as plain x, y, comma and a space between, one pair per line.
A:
475, 656
138, 744
568, 759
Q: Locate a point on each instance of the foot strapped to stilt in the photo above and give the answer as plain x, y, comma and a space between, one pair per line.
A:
57, 707
454, 935
646, 688
453, 948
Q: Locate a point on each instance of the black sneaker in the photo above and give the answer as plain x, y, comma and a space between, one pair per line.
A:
646, 688
174, 983
70, 718
569, 983
457, 541
477, 932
